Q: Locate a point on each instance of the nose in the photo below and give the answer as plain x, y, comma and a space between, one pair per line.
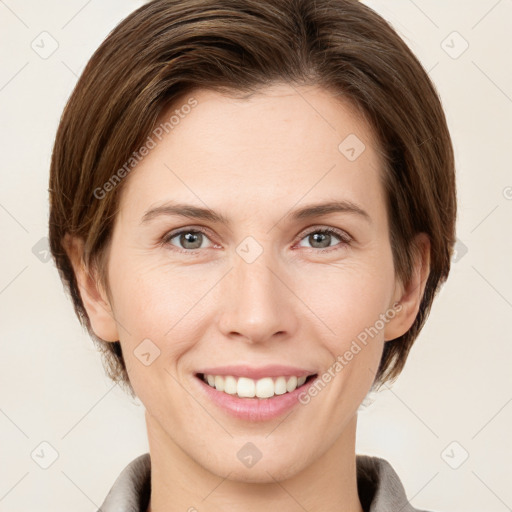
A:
257, 302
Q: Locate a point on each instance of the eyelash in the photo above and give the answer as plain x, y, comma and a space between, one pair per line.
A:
345, 239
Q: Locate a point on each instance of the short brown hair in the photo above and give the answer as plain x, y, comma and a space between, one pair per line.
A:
167, 48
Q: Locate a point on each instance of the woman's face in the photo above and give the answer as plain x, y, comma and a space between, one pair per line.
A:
267, 287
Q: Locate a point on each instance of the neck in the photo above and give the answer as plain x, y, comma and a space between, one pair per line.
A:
179, 483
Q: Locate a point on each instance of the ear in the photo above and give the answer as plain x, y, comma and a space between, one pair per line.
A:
92, 293
407, 297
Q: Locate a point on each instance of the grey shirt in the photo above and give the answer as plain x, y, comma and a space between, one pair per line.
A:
378, 485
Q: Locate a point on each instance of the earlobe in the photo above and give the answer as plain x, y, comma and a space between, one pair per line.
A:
409, 295
93, 296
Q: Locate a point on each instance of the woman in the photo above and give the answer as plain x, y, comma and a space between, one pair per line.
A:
253, 205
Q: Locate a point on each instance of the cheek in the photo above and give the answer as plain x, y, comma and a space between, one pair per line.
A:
150, 296
354, 341
348, 297
154, 307
349, 304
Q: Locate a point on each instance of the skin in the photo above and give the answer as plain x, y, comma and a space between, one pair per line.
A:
253, 160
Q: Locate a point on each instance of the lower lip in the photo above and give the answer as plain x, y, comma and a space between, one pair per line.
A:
254, 409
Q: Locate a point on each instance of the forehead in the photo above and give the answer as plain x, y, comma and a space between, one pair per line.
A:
279, 145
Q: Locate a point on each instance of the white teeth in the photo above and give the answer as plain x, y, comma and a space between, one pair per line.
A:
244, 388
250, 388
280, 386
219, 383
291, 384
230, 385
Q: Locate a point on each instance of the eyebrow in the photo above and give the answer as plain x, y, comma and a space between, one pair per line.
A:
171, 208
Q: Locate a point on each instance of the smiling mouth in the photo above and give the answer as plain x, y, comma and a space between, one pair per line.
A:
244, 387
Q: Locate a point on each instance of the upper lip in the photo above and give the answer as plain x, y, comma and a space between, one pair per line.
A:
274, 370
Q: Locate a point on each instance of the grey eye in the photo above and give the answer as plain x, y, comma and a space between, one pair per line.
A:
323, 238
188, 239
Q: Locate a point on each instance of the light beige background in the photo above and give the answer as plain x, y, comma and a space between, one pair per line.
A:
454, 398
